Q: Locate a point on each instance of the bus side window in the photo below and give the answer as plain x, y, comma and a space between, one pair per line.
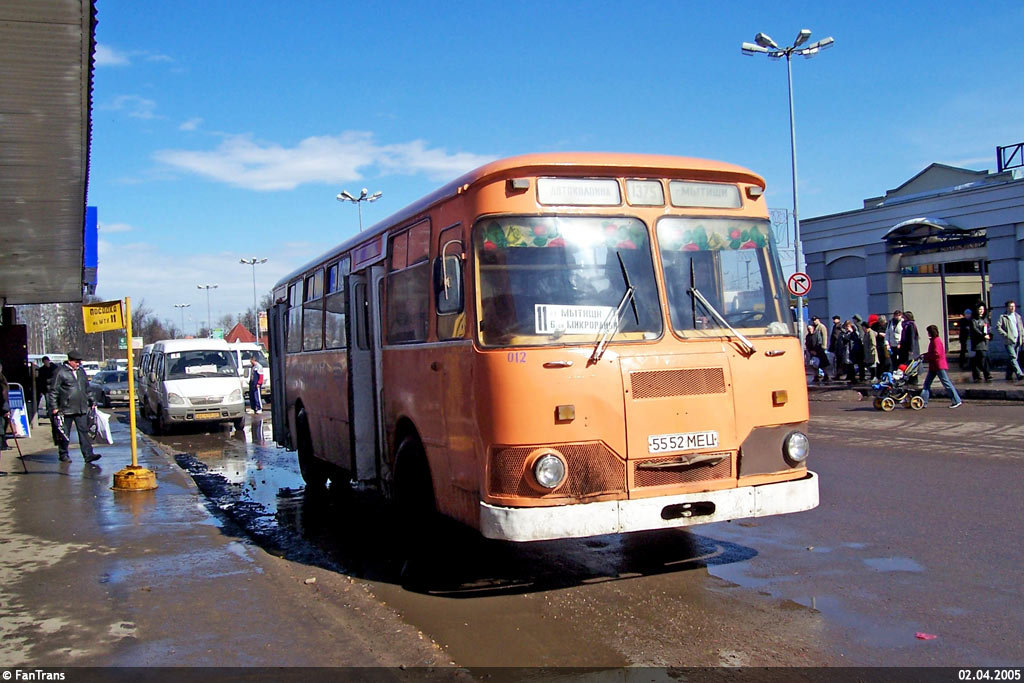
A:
448, 285
294, 329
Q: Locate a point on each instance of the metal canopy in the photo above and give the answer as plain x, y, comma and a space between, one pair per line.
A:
46, 61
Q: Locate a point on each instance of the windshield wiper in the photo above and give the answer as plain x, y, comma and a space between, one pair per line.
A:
718, 316
609, 332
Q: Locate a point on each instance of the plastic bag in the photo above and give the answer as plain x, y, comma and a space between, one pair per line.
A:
60, 434
102, 428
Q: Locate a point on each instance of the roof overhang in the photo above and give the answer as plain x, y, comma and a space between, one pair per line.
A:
46, 63
931, 234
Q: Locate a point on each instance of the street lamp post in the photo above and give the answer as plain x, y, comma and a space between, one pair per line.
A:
765, 45
209, 322
254, 261
182, 307
346, 196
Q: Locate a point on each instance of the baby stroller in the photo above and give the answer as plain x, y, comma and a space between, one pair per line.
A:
894, 388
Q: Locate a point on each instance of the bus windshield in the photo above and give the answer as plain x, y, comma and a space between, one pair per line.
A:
561, 279
733, 263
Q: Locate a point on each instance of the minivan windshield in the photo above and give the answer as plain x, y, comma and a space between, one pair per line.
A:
548, 280
199, 363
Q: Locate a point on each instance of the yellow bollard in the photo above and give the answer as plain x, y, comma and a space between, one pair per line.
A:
134, 478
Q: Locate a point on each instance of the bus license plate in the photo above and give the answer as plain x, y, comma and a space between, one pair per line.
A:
674, 443
207, 416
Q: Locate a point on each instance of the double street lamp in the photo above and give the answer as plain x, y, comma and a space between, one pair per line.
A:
182, 307
209, 323
346, 196
763, 44
254, 261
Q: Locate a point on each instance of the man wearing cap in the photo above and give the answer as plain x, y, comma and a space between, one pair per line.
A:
965, 337
69, 396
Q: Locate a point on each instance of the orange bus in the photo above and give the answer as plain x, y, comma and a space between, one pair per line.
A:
553, 346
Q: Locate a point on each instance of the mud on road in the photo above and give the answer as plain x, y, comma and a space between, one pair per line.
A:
639, 599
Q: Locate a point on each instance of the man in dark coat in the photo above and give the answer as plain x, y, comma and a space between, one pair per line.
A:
981, 334
69, 398
834, 338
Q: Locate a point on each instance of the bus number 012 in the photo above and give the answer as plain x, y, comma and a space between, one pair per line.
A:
516, 357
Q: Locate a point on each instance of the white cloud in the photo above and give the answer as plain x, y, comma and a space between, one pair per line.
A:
108, 56
137, 107
191, 124
139, 270
115, 227
245, 163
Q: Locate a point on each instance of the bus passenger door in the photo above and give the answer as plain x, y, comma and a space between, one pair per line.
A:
279, 414
364, 349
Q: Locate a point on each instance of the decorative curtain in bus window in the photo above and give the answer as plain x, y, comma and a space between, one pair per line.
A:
559, 280
733, 263
313, 313
294, 331
408, 304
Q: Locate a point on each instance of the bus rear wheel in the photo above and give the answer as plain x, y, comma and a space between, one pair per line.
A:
313, 470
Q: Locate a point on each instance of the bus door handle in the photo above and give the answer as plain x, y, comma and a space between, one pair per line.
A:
558, 364
774, 352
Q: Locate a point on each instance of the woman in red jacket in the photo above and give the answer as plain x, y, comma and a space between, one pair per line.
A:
937, 367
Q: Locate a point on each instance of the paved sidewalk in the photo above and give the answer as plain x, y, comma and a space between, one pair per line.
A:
997, 390
94, 577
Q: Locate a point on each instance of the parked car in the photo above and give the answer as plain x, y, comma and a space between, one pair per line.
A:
244, 353
91, 367
108, 387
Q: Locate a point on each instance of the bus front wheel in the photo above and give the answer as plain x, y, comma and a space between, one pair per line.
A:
312, 468
414, 489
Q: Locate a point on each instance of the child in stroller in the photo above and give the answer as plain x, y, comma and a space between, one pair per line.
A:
894, 388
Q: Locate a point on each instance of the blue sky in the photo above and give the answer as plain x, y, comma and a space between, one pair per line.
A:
224, 130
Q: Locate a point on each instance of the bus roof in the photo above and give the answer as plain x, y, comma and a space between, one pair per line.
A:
581, 163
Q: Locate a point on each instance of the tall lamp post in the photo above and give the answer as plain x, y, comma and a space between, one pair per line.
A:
346, 196
765, 45
256, 314
209, 322
182, 307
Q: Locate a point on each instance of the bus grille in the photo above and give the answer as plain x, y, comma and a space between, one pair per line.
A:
206, 400
682, 382
593, 469
643, 478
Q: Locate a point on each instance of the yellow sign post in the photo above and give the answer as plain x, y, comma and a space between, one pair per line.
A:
109, 315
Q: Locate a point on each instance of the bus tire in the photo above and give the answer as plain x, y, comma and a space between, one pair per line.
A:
414, 492
313, 470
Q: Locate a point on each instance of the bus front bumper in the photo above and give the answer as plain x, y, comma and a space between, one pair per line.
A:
642, 514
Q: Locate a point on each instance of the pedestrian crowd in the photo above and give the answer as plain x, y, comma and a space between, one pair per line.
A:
864, 350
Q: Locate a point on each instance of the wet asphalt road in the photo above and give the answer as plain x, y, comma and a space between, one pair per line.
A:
917, 533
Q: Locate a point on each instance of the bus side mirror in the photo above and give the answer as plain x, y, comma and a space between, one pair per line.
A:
448, 284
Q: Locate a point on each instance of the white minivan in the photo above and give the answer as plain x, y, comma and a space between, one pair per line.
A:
244, 353
189, 381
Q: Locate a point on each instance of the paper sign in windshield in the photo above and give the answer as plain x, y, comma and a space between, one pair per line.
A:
200, 369
560, 319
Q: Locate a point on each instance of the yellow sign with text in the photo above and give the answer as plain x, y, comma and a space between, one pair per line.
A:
103, 316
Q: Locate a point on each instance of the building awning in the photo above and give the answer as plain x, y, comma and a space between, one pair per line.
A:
46, 64
931, 234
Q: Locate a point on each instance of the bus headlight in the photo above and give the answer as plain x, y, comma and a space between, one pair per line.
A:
174, 399
235, 396
549, 470
796, 447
